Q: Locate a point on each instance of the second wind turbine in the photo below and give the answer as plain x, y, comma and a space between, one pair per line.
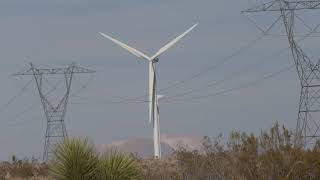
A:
153, 97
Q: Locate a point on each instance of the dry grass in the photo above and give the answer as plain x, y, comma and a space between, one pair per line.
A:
23, 169
271, 155
160, 169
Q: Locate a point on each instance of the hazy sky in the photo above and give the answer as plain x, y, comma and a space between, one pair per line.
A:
56, 33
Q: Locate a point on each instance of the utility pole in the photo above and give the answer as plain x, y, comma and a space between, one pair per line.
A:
308, 122
56, 130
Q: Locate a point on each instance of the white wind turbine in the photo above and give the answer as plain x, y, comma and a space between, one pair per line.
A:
153, 97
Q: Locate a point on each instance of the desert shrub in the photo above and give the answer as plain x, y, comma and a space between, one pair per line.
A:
26, 169
160, 169
21, 169
114, 165
274, 154
74, 159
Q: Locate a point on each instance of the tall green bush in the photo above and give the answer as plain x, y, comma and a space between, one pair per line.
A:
74, 159
117, 166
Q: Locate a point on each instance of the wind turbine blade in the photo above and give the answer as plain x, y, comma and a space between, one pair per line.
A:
170, 44
125, 46
160, 96
152, 92
154, 104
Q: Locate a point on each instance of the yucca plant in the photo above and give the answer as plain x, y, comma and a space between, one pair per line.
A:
115, 165
74, 159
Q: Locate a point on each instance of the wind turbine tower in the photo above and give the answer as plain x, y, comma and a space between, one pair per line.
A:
153, 98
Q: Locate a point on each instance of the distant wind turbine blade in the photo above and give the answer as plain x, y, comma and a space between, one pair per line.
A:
160, 96
125, 46
170, 44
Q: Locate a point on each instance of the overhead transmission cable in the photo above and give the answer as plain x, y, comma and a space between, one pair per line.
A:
242, 86
11, 100
210, 68
223, 60
236, 74
33, 105
84, 86
247, 68
311, 29
13, 121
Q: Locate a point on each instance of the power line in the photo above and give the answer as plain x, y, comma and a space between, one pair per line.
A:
255, 82
14, 122
17, 116
242, 86
33, 105
244, 70
84, 86
216, 65
247, 68
11, 100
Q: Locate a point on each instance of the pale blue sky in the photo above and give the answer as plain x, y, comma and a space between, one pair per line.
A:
55, 33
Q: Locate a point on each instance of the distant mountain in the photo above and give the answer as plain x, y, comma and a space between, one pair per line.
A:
190, 142
143, 147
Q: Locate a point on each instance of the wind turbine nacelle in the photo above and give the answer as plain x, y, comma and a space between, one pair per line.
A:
155, 60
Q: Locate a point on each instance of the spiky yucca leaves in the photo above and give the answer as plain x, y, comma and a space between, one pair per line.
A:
118, 166
74, 159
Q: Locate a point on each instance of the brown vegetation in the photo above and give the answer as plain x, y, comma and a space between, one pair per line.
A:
273, 155
23, 169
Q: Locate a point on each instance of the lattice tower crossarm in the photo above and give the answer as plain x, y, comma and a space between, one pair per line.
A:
56, 130
308, 123
285, 6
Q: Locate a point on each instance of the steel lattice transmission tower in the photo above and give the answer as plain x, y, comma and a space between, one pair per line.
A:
308, 123
55, 113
